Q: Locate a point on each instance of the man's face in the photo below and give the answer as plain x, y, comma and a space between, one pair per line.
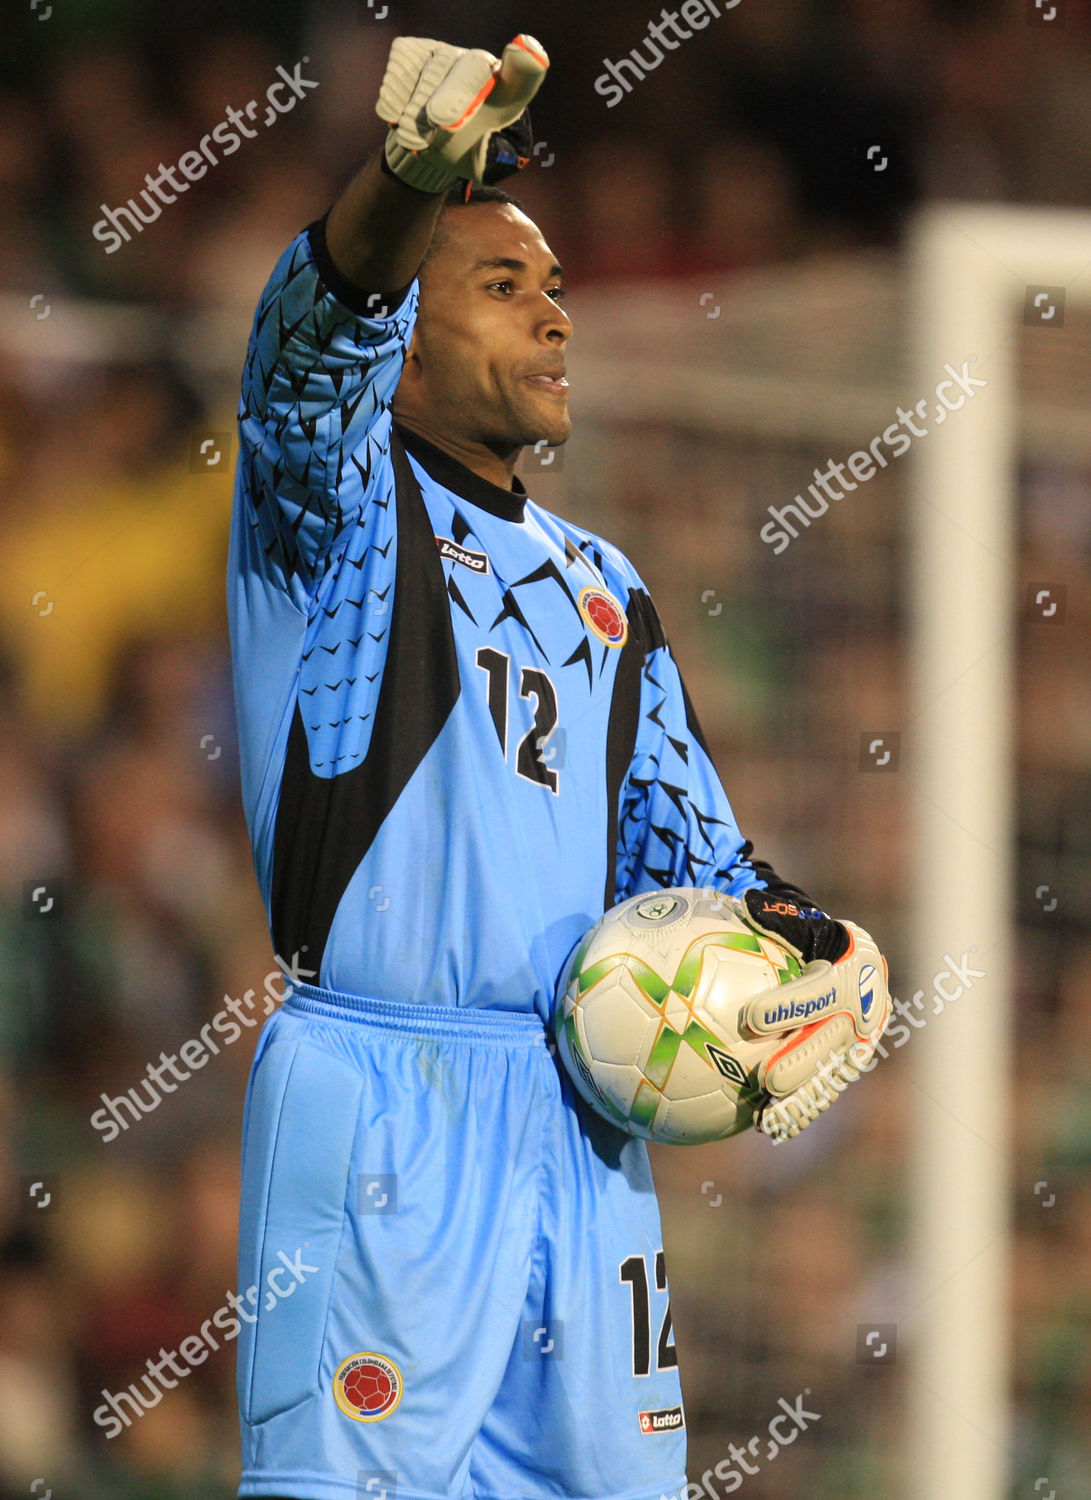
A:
486, 362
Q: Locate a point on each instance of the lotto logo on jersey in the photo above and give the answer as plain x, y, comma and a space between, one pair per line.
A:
667, 1419
367, 1387
604, 615
477, 562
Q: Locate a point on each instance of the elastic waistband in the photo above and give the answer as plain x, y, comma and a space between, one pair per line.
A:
456, 1023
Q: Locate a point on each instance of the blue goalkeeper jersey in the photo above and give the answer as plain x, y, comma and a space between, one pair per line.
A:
463, 734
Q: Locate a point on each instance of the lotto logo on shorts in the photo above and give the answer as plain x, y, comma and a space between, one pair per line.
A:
669, 1419
604, 615
367, 1387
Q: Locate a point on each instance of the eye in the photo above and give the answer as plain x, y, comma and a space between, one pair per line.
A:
508, 283
557, 293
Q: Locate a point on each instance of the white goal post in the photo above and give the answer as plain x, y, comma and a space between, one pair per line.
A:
975, 272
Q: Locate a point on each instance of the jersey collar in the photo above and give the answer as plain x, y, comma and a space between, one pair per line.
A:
447, 471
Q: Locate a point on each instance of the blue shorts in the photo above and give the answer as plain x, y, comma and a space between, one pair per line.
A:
451, 1277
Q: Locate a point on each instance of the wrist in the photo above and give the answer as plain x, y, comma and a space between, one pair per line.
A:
805, 929
416, 169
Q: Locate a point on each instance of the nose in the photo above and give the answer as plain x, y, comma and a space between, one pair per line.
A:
556, 324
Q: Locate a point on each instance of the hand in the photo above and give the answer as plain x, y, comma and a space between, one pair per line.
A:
831, 1017
444, 104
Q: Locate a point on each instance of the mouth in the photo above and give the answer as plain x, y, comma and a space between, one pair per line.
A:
554, 382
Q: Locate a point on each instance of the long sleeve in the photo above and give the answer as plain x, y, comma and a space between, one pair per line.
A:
321, 370
676, 826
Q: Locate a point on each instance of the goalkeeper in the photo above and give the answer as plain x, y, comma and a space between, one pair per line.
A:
463, 737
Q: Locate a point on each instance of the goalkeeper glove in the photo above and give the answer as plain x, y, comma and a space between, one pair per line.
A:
831, 1017
457, 113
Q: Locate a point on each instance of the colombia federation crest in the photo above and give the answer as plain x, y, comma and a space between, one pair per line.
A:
604, 615
367, 1387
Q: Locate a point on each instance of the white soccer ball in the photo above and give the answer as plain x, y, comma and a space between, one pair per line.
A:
649, 1012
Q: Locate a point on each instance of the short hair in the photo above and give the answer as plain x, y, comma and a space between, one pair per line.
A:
465, 195
479, 192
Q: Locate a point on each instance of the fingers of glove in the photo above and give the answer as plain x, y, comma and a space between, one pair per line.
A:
522, 67
747, 1059
462, 91
862, 942
466, 148
786, 1118
406, 65
821, 1055
835, 1056
807, 1053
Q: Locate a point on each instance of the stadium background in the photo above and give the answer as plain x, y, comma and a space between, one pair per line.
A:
725, 218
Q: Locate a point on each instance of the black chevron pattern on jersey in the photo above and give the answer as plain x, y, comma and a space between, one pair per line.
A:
549, 569
511, 611
301, 291
326, 824
456, 593
596, 556
582, 653
661, 843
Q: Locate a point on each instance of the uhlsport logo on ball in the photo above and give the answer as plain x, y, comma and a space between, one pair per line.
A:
604, 615
367, 1387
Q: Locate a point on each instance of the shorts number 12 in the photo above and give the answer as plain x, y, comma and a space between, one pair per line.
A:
635, 1271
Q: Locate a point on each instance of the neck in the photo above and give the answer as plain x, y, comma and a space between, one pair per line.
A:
497, 465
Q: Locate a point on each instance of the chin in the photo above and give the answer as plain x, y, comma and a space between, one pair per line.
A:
554, 433
523, 428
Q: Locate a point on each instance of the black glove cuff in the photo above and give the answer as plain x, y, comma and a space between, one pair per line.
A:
509, 150
807, 928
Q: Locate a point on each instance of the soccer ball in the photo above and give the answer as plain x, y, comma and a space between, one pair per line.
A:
648, 1015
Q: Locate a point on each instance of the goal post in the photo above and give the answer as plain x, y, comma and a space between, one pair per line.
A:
975, 272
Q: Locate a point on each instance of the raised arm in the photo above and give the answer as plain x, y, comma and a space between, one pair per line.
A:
334, 323
379, 229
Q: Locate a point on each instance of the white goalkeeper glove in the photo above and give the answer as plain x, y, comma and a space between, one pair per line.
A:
444, 104
831, 1017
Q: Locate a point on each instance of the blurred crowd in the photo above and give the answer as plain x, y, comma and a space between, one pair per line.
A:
782, 129
128, 905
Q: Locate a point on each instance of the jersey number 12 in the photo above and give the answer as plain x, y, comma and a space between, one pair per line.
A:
532, 756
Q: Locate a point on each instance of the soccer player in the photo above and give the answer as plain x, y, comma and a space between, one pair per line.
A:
463, 736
